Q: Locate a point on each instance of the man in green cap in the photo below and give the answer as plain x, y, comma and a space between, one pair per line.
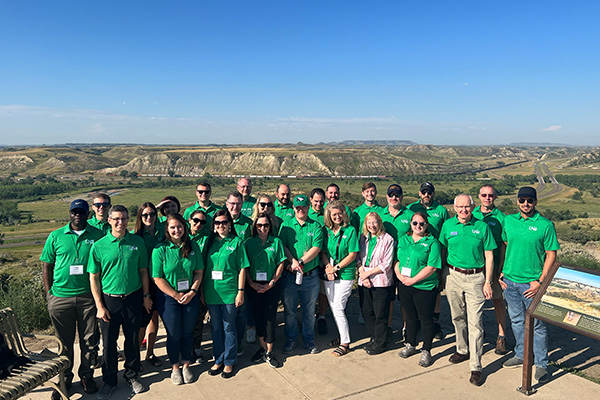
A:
67, 286
302, 241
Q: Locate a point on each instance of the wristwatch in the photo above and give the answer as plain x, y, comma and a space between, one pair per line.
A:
147, 296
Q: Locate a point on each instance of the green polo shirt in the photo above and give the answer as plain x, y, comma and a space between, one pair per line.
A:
284, 212
226, 256
152, 240
348, 243
316, 216
104, 226
466, 243
436, 215
243, 227
298, 239
372, 243
248, 206
118, 261
358, 215
264, 257
200, 238
527, 240
426, 252
209, 211
168, 263
399, 225
64, 248
495, 220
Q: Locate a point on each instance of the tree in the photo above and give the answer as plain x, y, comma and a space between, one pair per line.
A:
578, 195
124, 173
171, 173
133, 174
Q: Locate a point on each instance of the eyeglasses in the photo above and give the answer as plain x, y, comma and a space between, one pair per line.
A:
234, 203
98, 205
119, 219
218, 223
421, 224
199, 221
269, 204
149, 215
263, 225
526, 199
487, 195
203, 191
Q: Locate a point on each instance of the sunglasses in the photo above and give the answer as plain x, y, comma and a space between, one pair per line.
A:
217, 223
421, 224
203, 191
149, 215
263, 225
269, 204
487, 195
199, 221
101, 205
426, 193
527, 199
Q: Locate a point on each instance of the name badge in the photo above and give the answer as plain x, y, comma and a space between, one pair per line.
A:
406, 272
331, 261
183, 285
261, 276
453, 233
76, 270
217, 275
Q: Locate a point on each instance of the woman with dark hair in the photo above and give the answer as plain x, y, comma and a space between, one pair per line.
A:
153, 232
226, 264
167, 206
198, 227
199, 231
177, 270
419, 259
266, 256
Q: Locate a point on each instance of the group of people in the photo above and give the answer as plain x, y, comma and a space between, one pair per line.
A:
238, 261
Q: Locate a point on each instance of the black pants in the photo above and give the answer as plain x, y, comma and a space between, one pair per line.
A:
125, 312
199, 327
264, 308
418, 306
376, 309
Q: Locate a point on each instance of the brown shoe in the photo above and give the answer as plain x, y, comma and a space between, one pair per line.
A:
458, 358
475, 378
500, 346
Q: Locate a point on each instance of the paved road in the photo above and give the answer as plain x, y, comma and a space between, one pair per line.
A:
556, 187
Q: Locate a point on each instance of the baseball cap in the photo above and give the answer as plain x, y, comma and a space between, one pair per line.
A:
427, 186
301, 200
527, 191
394, 189
81, 204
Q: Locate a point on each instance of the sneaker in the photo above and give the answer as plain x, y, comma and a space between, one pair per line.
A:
513, 362
240, 350
143, 345
541, 374
176, 377
500, 346
188, 376
425, 360
311, 347
258, 356
321, 326
198, 358
251, 335
105, 392
408, 350
439, 333
361, 319
272, 360
289, 346
135, 384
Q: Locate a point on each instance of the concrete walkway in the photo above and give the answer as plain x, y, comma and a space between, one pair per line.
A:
360, 376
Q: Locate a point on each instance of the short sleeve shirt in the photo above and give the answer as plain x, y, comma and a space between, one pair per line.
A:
264, 258
495, 220
284, 212
466, 243
527, 240
358, 215
316, 216
168, 263
436, 215
209, 211
243, 227
64, 248
118, 261
248, 206
227, 257
298, 239
104, 226
398, 225
152, 240
348, 243
414, 256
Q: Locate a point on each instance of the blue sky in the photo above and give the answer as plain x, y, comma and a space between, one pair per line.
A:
196, 72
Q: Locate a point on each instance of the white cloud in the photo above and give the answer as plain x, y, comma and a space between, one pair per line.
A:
552, 128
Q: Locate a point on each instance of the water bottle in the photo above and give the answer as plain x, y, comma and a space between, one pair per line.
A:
299, 276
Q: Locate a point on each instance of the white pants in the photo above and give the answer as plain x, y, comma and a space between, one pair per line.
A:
338, 292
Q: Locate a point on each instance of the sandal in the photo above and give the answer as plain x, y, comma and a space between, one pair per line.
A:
341, 350
152, 359
335, 342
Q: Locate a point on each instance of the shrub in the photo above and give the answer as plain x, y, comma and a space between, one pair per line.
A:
26, 298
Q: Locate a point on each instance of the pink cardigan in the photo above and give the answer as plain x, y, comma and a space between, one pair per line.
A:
382, 258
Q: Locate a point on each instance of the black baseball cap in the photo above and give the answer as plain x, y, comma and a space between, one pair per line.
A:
394, 189
427, 186
527, 191
80, 204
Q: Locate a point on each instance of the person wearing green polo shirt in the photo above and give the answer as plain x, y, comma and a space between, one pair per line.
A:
316, 212
339, 257
283, 208
199, 228
266, 256
169, 205
470, 260
332, 192
226, 265
302, 241
244, 186
177, 270
419, 259
369, 193
67, 286
396, 218
531, 247
489, 213
100, 205
264, 204
118, 267
203, 192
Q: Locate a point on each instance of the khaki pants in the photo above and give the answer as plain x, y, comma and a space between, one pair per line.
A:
466, 300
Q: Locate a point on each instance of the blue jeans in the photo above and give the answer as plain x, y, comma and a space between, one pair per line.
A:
179, 320
222, 317
308, 293
244, 318
517, 305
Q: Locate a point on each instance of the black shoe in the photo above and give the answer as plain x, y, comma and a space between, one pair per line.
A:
458, 358
322, 326
372, 351
368, 345
258, 356
229, 374
475, 378
272, 361
439, 334
89, 385
213, 372
55, 395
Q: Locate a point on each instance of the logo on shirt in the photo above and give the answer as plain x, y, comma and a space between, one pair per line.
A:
533, 228
476, 231
270, 249
435, 214
192, 253
310, 234
133, 248
404, 221
89, 241
424, 244
230, 248
492, 223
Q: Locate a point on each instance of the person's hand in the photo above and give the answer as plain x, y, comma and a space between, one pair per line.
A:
239, 299
331, 276
187, 297
367, 283
406, 281
103, 314
362, 273
148, 304
295, 267
329, 269
487, 290
503, 284
533, 288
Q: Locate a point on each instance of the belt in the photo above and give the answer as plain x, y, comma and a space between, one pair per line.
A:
469, 271
305, 273
120, 296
